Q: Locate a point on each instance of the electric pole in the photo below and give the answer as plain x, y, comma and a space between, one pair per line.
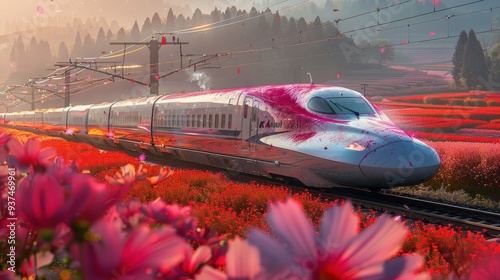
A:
67, 81
154, 46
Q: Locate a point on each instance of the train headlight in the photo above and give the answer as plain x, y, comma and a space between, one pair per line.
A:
355, 147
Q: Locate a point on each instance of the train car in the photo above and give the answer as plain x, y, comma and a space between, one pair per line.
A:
76, 122
130, 123
321, 135
54, 121
39, 120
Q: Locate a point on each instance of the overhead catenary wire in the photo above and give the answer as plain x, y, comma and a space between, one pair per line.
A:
234, 51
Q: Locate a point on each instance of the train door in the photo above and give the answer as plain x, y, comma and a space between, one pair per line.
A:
250, 124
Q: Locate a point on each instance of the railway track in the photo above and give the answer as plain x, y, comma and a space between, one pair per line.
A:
477, 220
411, 208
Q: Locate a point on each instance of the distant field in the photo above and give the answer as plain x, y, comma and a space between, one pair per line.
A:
451, 116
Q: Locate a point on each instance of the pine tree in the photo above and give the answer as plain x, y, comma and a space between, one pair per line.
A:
495, 67
170, 23
63, 53
135, 33
474, 62
458, 58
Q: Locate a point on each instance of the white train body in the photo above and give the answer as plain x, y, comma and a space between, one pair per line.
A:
320, 135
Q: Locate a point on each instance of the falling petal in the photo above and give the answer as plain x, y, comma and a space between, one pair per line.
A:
339, 74
157, 77
142, 157
132, 80
404, 42
39, 9
432, 33
382, 50
238, 70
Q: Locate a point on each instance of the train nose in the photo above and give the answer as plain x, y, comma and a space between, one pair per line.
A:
400, 163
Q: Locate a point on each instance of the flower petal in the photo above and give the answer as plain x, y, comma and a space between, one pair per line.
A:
376, 243
274, 258
289, 221
210, 273
243, 260
338, 225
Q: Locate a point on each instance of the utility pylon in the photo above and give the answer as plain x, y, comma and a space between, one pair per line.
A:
154, 46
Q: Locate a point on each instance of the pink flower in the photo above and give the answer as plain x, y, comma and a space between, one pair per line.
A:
141, 253
42, 200
124, 180
86, 202
127, 176
164, 174
4, 138
490, 271
25, 156
243, 263
194, 262
130, 213
163, 213
339, 252
43, 258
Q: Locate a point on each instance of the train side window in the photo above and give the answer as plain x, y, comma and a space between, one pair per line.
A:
210, 121
188, 120
173, 120
245, 110
193, 121
178, 120
230, 121
204, 120
254, 113
223, 121
199, 120
216, 124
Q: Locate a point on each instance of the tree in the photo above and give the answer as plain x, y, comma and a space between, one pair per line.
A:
100, 42
88, 45
170, 23
156, 24
147, 28
135, 33
276, 25
384, 50
458, 57
495, 59
474, 62
317, 32
63, 53
77, 46
120, 35
197, 18
18, 55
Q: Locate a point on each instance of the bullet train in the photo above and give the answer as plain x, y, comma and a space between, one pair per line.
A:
320, 135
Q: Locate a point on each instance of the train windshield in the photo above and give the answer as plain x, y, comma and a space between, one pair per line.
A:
340, 105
